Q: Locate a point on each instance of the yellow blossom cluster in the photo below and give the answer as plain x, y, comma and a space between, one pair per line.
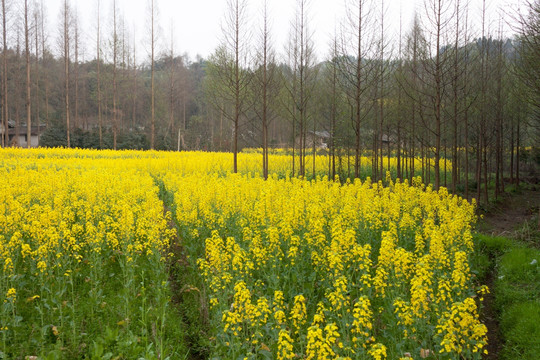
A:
460, 329
291, 268
78, 232
354, 270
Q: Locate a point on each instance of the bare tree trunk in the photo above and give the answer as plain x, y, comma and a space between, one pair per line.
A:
153, 95
407, 160
485, 150
314, 150
184, 121
398, 127
499, 123
518, 152
265, 89
221, 130
66, 70
36, 70
512, 152
466, 153
18, 92
5, 111
76, 66
135, 86
483, 136
299, 85
125, 64
445, 162
478, 167
381, 102
358, 91
302, 110
334, 115
456, 101
422, 150
388, 150
236, 86
98, 75
333, 111
466, 112
375, 152
438, 97
413, 144
46, 75
413, 117
28, 83
115, 73
382, 94
172, 74
380, 144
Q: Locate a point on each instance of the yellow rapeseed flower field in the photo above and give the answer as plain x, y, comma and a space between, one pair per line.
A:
290, 268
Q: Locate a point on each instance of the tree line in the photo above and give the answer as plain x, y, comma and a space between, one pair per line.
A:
451, 86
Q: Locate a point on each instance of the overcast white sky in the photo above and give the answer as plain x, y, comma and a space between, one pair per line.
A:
197, 23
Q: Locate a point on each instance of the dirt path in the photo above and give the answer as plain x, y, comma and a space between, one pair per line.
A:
186, 297
513, 210
490, 318
506, 218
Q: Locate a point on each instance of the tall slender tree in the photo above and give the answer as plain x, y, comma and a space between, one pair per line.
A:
5, 103
37, 34
44, 53
28, 83
172, 93
357, 44
76, 78
301, 82
98, 74
265, 84
115, 74
528, 69
456, 84
228, 78
153, 42
66, 41
438, 18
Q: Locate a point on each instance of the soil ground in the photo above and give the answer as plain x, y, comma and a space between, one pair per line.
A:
511, 211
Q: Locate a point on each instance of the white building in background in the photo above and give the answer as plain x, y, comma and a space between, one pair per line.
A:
18, 136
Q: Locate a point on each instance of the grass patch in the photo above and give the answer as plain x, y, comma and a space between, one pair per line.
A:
516, 289
520, 324
489, 248
493, 245
518, 278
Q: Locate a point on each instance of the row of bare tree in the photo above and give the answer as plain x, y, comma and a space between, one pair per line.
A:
444, 90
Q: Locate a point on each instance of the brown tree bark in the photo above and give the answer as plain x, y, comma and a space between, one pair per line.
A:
98, 75
76, 39
45, 73
28, 83
65, 25
36, 69
5, 103
115, 73
153, 92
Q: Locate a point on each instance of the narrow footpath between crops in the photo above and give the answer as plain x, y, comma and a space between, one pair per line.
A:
186, 296
514, 216
513, 210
